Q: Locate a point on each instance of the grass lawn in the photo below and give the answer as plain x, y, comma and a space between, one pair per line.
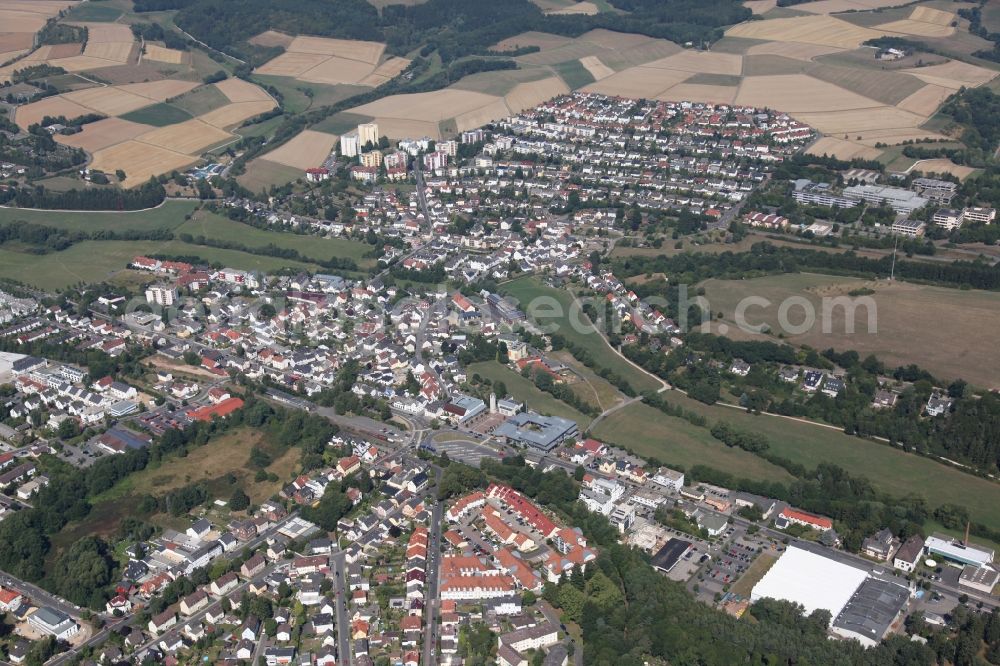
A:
890, 469
158, 115
168, 216
265, 128
753, 574
211, 225
560, 315
900, 313
649, 432
524, 389
299, 96
95, 261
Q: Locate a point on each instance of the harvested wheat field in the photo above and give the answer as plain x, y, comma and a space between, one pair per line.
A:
403, 128
190, 137
542, 40
334, 70
615, 41
109, 101
760, 6
385, 72
894, 136
482, 115
638, 82
238, 90
697, 92
304, 151
844, 150
596, 68
794, 50
235, 114
139, 161
917, 28
105, 33
82, 63
163, 54
433, 106
533, 93
926, 101
351, 49
30, 114
954, 74
271, 38
799, 93
585, 8
701, 62
771, 65
819, 29
291, 64
943, 166
858, 121
159, 91
103, 134
12, 42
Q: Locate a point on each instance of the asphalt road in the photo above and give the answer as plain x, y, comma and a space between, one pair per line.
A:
431, 607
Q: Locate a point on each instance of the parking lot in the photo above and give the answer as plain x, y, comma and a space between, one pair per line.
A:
467, 452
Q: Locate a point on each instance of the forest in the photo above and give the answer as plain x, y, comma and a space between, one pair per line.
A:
455, 28
149, 195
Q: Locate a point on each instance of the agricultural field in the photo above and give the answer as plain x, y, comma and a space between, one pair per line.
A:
20, 20
332, 61
903, 311
306, 150
523, 389
169, 215
889, 469
650, 433
263, 174
529, 290
217, 227
145, 134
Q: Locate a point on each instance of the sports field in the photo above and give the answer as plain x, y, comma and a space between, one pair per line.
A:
918, 324
554, 309
523, 389
217, 227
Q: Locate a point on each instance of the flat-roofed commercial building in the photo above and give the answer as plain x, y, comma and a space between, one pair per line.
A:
542, 433
871, 611
810, 579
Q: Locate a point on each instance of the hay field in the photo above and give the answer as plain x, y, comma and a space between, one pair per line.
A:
103, 134
235, 114
533, 93
190, 137
699, 92
799, 93
29, 114
271, 38
586, 8
139, 161
841, 149
109, 101
163, 54
903, 309
351, 49
701, 62
596, 68
820, 29
306, 150
954, 74
238, 90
